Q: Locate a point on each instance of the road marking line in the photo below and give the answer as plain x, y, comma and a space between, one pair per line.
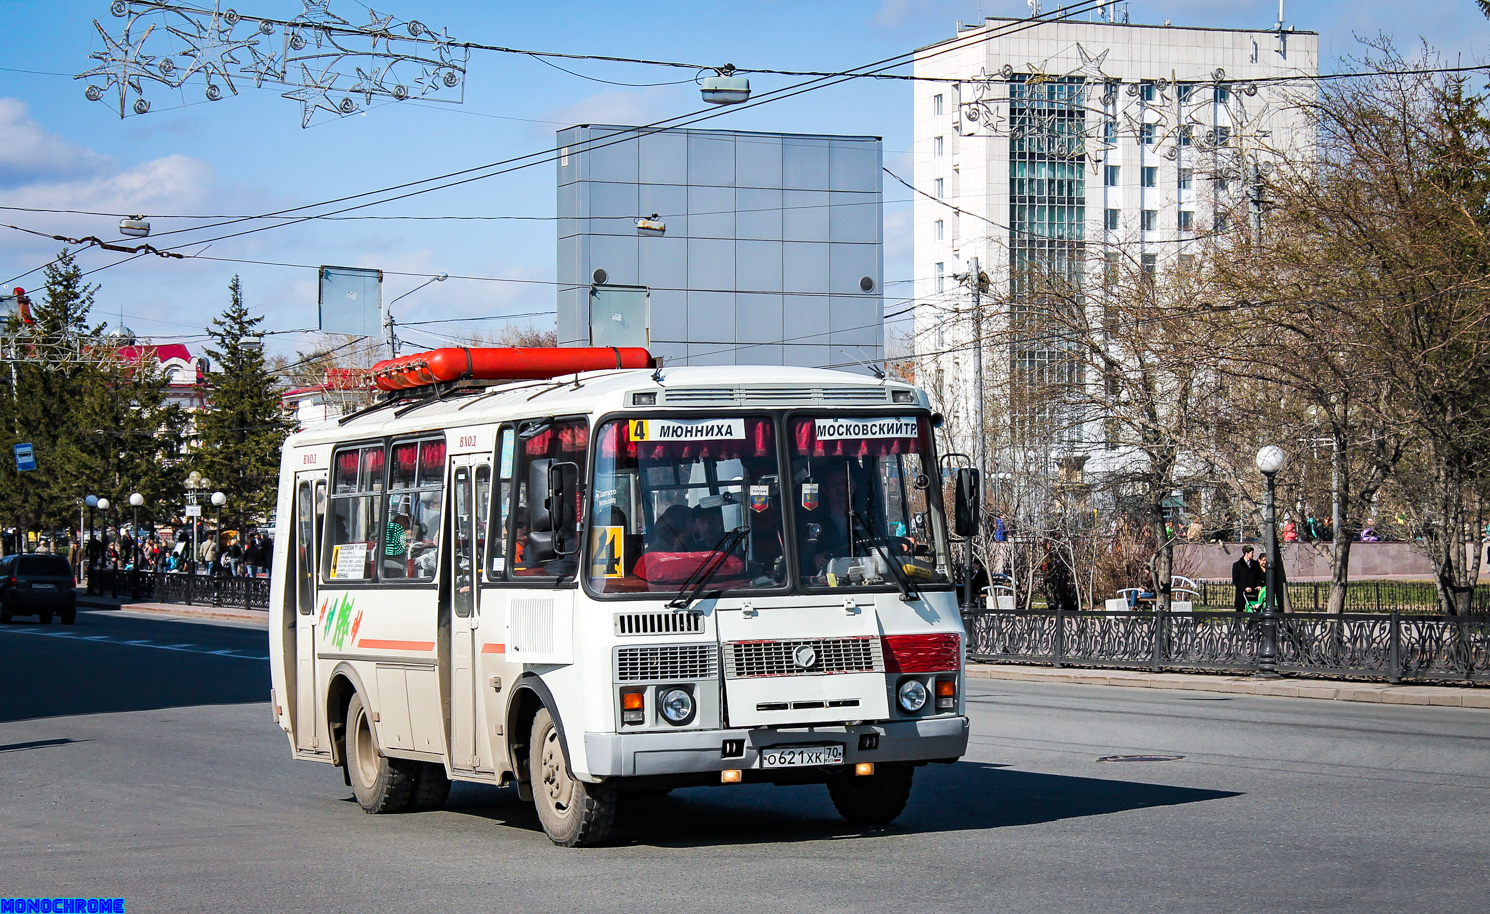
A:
183, 648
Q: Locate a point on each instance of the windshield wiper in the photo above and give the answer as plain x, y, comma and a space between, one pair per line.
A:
706, 569
881, 545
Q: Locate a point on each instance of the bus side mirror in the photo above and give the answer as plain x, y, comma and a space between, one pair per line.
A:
553, 488
563, 501
967, 502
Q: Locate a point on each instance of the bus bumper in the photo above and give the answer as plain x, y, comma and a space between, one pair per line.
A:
698, 751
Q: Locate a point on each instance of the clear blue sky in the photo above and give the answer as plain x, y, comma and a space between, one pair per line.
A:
249, 154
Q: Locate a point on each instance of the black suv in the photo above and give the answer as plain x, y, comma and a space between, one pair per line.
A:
40, 585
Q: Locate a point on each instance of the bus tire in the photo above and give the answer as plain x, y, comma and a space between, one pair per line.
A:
573, 813
45, 618
875, 799
431, 787
69, 616
381, 784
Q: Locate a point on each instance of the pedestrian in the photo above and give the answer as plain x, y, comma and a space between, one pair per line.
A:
233, 557
1244, 576
209, 553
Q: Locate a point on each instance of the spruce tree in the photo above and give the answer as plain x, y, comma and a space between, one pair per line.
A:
239, 435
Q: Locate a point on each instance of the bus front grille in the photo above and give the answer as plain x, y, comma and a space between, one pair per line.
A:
755, 659
666, 663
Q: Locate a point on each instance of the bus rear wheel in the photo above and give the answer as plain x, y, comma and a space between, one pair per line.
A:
573, 813
875, 799
381, 784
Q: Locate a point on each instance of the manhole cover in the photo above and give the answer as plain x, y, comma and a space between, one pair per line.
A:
1140, 758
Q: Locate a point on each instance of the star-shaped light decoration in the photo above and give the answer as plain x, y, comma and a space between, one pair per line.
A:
211, 49
442, 43
312, 93
377, 29
1090, 67
121, 66
370, 84
264, 68
317, 17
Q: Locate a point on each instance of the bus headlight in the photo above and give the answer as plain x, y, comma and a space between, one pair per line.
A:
911, 695
676, 705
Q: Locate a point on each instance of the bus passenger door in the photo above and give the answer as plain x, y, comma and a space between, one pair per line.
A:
310, 507
470, 482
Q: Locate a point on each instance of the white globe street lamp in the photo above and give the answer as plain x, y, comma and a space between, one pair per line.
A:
1270, 460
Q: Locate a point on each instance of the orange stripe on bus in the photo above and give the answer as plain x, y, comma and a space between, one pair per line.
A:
397, 645
494, 649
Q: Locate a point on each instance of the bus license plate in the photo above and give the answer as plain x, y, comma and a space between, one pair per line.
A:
797, 756
36, 586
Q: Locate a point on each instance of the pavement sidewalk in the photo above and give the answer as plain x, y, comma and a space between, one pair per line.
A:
175, 610
1451, 696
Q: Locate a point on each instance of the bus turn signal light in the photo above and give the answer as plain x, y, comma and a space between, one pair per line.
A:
731, 776
633, 707
946, 694
864, 769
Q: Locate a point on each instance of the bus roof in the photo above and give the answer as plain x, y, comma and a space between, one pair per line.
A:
596, 392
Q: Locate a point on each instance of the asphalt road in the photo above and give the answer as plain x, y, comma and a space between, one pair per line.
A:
138, 759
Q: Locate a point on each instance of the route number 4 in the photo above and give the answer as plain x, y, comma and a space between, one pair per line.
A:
609, 558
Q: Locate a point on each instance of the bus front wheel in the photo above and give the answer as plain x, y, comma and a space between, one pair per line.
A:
875, 799
573, 813
381, 784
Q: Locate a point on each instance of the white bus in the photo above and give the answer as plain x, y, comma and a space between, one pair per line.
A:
620, 580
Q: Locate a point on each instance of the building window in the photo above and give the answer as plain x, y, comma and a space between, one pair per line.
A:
940, 188
941, 230
937, 146
1187, 178
1150, 263
1185, 90
1223, 95
1223, 222
1150, 220
1223, 136
1113, 215
1109, 132
1112, 268
1187, 134
1146, 91
936, 105
1187, 262
1110, 175
1187, 220
1150, 176
1221, 183
1146, 134
941, 277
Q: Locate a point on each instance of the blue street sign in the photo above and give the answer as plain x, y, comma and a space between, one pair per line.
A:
25, 459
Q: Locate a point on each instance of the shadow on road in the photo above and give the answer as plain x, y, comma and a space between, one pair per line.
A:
42, 676
966, 796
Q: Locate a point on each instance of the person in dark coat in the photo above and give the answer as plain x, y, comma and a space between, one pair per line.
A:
1244, 574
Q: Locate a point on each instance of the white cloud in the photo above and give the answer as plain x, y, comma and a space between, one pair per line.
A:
29, 151
628, 108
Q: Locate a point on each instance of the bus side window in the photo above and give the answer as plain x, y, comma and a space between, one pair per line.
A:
353, 537
497, 558
560, 443
411, 540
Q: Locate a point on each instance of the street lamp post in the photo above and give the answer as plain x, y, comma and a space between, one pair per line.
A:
218, 500
90, 558
103, 505
135, 500
1269, 461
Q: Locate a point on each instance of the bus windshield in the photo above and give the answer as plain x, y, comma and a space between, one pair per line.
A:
861, 501
667, 494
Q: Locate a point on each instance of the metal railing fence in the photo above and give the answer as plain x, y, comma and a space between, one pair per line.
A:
181, 587
1392, 645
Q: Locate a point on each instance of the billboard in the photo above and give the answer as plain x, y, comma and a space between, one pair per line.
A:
351, 301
